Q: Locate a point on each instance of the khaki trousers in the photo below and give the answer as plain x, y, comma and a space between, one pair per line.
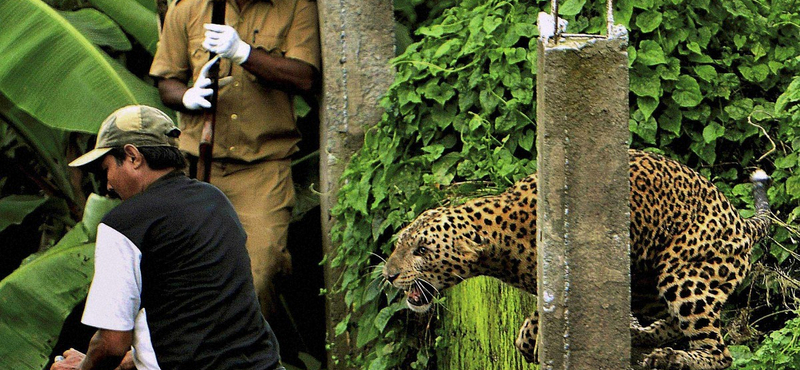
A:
263, 196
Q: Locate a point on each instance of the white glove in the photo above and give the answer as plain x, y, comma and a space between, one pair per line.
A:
196, 97
224, 40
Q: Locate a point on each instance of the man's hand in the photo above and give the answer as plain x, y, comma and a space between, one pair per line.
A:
196, 97
224, 41
107, 350
71, 360
127, 362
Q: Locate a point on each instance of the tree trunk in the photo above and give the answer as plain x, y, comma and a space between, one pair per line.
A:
357, 44
480, 321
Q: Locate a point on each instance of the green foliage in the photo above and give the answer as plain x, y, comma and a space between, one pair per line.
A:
780, 350
137, 17
14, 208
98, 28
22, 132
59, 77
410, 14
711, 85
36, 298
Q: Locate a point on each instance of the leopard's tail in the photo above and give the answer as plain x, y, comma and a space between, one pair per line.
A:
759, 224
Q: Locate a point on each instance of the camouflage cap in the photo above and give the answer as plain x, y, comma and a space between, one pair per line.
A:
138, 125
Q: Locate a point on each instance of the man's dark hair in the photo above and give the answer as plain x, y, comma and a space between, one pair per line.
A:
157, 157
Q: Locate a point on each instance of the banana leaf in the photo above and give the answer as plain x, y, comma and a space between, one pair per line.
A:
98, 28
67, 4
55, 74
36, 298
151, 5
135, 18
14, 208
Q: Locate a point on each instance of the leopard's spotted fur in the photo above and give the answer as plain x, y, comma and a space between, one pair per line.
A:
689, 248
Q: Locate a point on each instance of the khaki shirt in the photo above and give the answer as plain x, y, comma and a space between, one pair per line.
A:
254, 121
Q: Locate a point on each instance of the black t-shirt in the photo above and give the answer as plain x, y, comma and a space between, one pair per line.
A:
171, 264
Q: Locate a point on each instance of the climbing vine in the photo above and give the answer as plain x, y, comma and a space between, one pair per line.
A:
712, 84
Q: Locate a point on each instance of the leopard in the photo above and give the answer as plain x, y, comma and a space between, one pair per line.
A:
689, 249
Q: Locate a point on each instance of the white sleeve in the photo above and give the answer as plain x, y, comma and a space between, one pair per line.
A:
115, 295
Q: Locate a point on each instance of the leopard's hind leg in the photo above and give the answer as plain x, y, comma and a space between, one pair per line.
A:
695, 301
656, 334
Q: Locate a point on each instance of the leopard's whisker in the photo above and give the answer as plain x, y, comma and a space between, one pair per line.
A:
379, 256
430, 285
425, 292
375, 268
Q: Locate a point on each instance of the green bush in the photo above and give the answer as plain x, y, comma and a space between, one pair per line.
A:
778, 351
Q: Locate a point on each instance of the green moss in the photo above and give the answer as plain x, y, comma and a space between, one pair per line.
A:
479, 323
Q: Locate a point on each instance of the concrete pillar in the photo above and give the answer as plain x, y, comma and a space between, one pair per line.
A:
583, 213
357, 43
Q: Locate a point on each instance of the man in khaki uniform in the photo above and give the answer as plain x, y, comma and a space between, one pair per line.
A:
269, 50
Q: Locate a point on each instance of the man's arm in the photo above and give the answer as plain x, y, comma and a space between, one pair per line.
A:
171, 91
106, 351
291, 75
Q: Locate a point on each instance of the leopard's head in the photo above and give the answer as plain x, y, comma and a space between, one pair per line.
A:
437, 250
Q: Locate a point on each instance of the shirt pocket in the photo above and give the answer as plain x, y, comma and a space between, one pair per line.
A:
270, 43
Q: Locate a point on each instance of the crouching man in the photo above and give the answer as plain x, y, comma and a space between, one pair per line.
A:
172, 276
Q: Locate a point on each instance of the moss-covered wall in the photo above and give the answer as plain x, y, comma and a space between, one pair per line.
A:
479, 323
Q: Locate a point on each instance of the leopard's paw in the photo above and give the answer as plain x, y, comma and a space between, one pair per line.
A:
526, 341
666, 359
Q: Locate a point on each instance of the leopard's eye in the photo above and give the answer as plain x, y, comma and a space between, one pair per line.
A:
420, 251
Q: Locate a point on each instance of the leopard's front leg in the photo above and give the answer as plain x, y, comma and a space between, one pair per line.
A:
526, 340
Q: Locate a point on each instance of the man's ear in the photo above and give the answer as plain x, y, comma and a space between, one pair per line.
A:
133, 154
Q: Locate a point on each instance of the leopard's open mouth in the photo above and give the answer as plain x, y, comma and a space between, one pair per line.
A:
420, 296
